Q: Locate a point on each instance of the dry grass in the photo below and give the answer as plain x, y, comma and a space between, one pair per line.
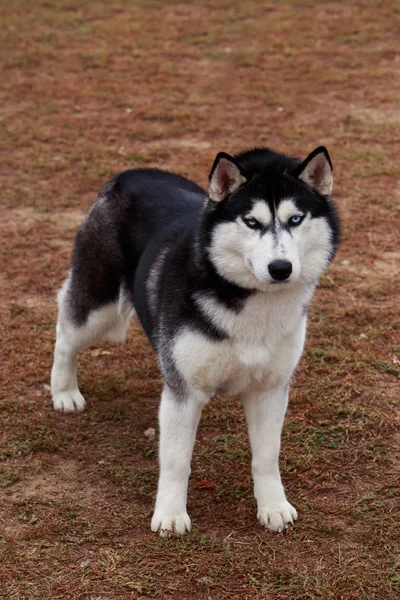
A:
90, 88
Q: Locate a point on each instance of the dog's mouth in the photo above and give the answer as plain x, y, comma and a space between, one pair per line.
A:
274, 282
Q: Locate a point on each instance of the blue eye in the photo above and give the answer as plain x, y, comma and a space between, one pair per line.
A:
252, 223
295, 220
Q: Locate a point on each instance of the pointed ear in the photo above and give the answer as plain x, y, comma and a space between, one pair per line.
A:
316, 171
226, 177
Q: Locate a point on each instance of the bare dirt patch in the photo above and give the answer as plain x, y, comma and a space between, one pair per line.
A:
63, 481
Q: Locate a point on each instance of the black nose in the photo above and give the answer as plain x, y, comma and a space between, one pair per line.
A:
280, 269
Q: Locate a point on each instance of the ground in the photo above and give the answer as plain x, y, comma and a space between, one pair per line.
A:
90, 88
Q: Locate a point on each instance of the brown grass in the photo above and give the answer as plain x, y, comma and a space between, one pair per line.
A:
90, 88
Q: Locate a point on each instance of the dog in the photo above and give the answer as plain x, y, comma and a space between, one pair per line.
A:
221, 283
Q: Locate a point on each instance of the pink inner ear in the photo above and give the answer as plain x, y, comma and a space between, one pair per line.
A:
225, 180
318, 173
226, 176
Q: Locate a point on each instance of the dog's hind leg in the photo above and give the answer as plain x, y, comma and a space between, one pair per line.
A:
110, 321
70, 339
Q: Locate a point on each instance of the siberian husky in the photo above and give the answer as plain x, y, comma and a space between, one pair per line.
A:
221, 283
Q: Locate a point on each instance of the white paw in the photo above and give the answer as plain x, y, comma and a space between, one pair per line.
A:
277, 516
68, 400
168, 524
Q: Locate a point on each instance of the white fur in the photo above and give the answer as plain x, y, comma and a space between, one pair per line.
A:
109, 322
242, 255
265, 413
265, 344
262, 349
261, 212
286, 209
178, 426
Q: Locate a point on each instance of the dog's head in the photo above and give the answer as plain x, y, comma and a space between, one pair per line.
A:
274, 226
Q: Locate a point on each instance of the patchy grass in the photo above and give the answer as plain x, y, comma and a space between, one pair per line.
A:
91, 88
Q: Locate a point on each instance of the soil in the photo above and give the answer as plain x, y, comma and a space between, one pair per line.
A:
91, 88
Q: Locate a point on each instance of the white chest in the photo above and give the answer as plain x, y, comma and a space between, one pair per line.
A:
265, 343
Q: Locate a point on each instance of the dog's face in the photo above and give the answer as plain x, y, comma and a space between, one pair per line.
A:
269, 230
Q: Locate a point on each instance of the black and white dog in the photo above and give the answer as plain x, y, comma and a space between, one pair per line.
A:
221, 285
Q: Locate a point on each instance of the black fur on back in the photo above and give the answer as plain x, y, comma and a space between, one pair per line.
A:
140, 212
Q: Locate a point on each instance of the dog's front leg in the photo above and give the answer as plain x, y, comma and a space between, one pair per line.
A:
179, 418
265, 413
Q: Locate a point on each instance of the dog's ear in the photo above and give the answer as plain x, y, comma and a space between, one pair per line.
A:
316, 171
226, 177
